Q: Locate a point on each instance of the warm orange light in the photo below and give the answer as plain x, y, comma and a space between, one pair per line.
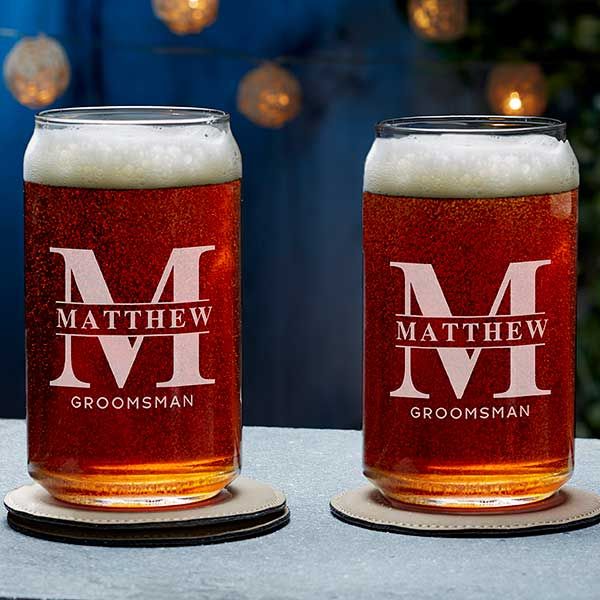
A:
186, 16
517, 89
438, 20
269, 96
514, 102
37, 71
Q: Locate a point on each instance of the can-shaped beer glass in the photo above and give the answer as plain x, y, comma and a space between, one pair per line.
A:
132, 275
469, 238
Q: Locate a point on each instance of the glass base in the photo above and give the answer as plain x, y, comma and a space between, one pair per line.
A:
139, 491
470, 504
483, 492
132, 502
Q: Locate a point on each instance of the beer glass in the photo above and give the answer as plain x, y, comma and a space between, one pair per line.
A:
132, 269
469, 238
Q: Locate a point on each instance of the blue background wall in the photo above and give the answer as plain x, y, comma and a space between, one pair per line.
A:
302, 184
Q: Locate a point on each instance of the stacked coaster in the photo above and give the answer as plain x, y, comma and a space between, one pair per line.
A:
570, 508
247, 508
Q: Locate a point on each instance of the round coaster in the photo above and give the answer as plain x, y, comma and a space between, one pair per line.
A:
247, 508
570, 508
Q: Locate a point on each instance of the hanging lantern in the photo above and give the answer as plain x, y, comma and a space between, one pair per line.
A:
517, 89
438, 20
37, 71
186, 16
269, 96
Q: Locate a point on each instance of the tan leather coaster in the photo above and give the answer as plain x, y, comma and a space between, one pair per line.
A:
571, 508
247, 508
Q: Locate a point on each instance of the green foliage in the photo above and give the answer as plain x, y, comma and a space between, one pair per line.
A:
563, 36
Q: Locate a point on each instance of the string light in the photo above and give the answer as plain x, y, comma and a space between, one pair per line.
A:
37, 71
186, 16
438, 20
269, 95
517, 89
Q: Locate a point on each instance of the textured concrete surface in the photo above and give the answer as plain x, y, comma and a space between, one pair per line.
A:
316, 556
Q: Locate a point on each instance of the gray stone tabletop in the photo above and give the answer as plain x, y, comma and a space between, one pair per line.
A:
315, 556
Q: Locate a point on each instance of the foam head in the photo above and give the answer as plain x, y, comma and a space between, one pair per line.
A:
463, 165
122, 155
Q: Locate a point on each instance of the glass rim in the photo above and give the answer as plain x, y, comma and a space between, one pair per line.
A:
471, 124
163, 116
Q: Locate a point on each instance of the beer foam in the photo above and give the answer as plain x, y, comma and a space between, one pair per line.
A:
115, 156
470, 166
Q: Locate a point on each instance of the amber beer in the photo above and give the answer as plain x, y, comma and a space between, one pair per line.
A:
470, 284
132, 236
